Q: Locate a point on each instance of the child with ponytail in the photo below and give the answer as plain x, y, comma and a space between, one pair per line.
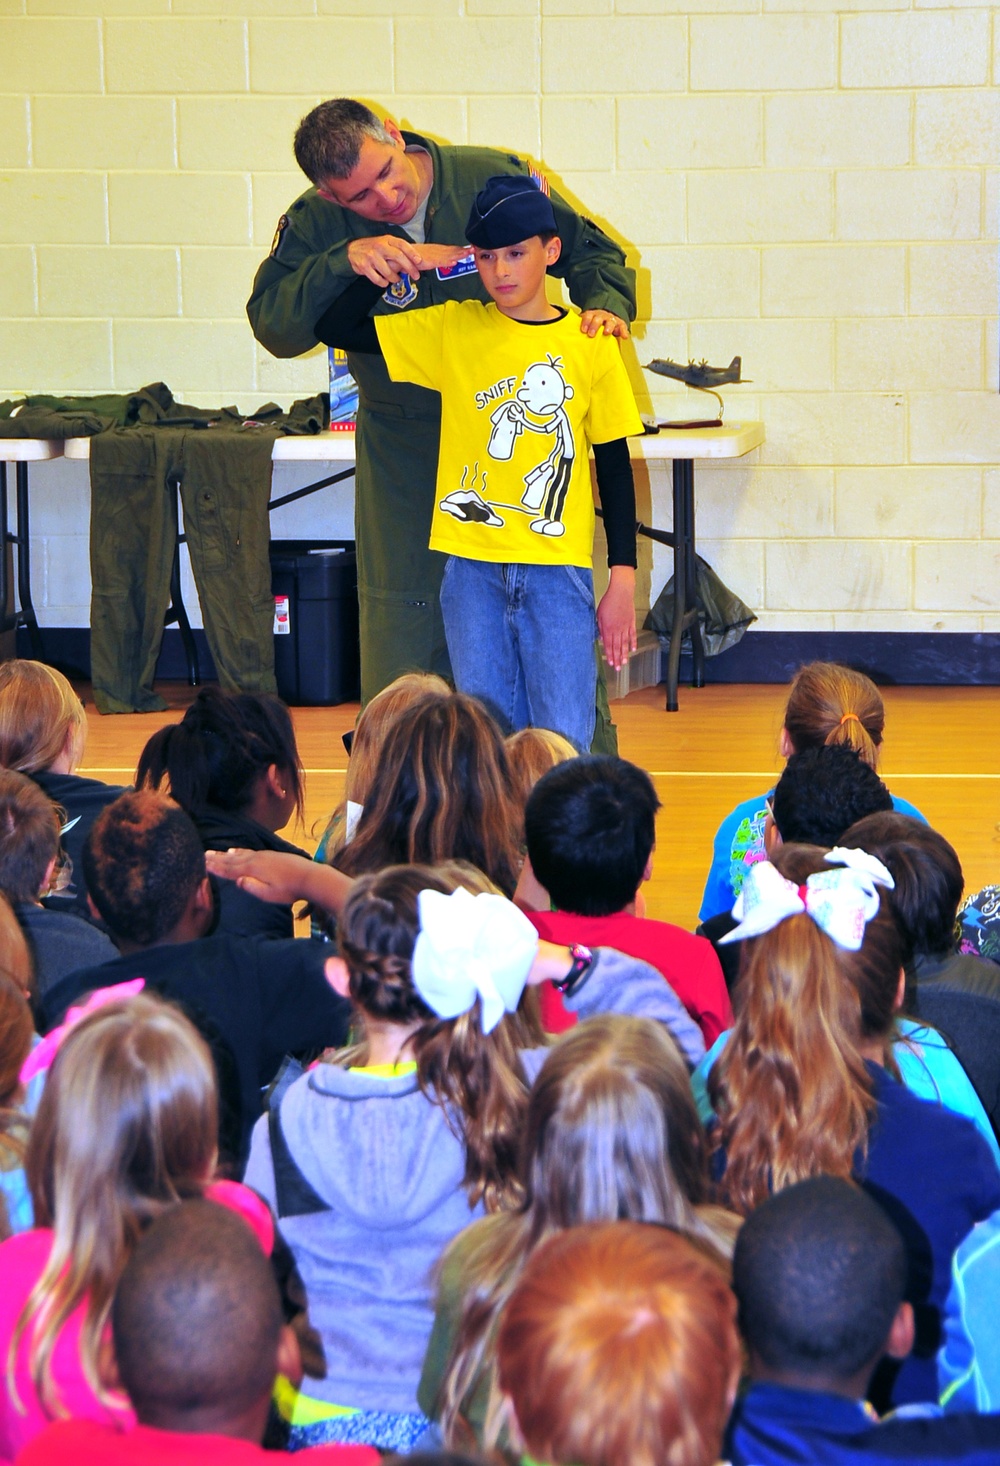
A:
375, 1160
802, 1086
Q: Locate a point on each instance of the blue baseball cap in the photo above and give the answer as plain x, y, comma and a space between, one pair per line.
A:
510, 208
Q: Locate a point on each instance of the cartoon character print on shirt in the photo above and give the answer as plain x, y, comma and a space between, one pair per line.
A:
542, 394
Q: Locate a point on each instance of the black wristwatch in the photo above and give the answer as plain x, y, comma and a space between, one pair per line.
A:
583, 961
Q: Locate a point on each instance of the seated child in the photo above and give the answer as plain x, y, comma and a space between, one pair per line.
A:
619, 1346
16, 1034
126, 1127
255, 999
524, 394
828, 706
43, 733
61, 941
198, 1340
820, 1272
590, 828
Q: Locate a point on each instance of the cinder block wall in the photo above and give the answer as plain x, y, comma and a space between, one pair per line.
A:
811, 183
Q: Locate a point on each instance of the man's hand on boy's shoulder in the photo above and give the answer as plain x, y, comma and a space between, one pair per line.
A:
616, 617
593, 321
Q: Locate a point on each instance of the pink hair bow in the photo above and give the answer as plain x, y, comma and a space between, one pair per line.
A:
43, 1053
841, 901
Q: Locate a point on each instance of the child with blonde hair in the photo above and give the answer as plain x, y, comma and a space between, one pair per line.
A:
126, 1127
43, 733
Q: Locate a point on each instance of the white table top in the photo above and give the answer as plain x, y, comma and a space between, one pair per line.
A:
732, 440
30, 450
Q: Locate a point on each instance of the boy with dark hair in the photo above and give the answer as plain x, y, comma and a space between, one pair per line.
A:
590, 827
821, 792
198, 1339
819, 1272
524, 395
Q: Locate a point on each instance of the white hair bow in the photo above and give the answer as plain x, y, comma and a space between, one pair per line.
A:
841, 902
472, 947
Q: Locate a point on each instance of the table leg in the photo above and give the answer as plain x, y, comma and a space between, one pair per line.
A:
697, 646
7, 623
23, 541
682, 474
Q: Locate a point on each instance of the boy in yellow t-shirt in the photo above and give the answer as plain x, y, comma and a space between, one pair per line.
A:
524, 394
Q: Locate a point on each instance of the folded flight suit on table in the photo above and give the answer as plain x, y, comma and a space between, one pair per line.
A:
146, 448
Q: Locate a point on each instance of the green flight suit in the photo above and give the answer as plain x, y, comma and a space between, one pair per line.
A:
398, 426
145, 448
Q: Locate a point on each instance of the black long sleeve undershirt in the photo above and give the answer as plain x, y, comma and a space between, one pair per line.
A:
349, 325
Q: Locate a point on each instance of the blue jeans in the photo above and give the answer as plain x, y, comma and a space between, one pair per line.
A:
521, 638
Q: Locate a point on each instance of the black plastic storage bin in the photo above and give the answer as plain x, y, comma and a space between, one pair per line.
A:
317, 660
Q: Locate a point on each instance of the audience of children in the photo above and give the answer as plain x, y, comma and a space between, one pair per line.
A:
61, 942
231, 763
827, 704
374, 1160
801, 1088
610, 1133
567, 1207
43, 733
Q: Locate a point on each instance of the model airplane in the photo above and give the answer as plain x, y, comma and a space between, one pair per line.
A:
703, 378
698, 373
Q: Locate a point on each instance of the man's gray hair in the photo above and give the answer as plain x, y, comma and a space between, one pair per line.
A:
328, 139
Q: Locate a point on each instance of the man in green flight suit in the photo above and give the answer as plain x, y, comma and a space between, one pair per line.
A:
367, 172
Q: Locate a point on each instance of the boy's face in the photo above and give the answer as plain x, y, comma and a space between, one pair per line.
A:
514, 275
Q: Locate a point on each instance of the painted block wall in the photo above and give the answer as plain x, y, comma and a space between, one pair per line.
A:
810, 183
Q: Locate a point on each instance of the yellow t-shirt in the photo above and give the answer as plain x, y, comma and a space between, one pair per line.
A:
520, 405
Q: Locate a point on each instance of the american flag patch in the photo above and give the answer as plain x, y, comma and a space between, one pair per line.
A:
540, 181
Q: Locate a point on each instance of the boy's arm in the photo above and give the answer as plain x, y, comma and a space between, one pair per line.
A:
347, 323
616, 490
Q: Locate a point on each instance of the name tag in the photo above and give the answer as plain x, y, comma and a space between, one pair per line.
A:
465, 266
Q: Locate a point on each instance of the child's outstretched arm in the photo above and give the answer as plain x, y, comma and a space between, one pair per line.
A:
347, 323
274, 875
616, 490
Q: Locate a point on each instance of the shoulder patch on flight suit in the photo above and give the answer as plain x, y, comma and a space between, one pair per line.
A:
401, 293
278, 236
539, 180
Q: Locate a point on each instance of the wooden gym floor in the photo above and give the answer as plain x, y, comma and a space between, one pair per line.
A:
942, 752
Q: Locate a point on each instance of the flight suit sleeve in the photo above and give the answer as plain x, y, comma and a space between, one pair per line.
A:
305, 272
